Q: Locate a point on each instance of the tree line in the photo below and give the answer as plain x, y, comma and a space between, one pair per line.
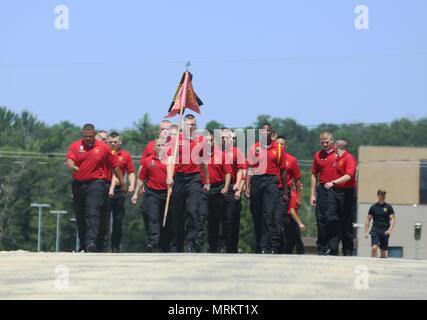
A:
32, 170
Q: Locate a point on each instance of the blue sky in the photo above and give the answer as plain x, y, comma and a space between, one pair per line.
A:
299, 59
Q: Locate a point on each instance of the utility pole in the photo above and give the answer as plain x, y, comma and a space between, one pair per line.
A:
39, 232
58, 225
77, 234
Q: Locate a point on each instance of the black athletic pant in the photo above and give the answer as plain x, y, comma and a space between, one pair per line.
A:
212, 211
231, 222
265, 196
346, 210
280, 220
153, 207
186, 194
293, 237
117, 203
328, 223
89, 200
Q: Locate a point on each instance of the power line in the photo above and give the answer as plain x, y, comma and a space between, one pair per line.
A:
377, 55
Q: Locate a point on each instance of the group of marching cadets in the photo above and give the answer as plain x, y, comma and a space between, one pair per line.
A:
207, 179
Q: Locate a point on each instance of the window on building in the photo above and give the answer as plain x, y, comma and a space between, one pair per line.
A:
423, 182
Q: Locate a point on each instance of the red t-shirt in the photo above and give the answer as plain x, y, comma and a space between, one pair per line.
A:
217, 168
324, 165
293, 202
190, 154
267, 160
154, 172
125, 163
148, 151
237, 160
346, 164
91, 160
292, 169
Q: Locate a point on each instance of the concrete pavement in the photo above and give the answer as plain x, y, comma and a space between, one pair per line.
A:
25, 275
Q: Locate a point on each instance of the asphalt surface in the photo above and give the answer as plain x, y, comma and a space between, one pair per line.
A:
25, 275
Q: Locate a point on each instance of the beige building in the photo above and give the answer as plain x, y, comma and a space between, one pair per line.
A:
402, 172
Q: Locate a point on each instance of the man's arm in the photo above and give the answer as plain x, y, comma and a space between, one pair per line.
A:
340, 180
298, 187
71, 166
118, 174
392, 223
139, 185
132, 180
248, 183
207, 185
367, 223
313, 189
227, 183
296, 218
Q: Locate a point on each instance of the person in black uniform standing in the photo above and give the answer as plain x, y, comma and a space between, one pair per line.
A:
384, 219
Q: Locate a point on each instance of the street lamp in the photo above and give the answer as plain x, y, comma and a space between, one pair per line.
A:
58, 229
39, 232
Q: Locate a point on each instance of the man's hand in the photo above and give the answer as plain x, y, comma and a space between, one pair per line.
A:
366, 235
224, 191
235, 187
285, 197
74, 169
237, 195
329, 185
169, 182
131, 188
313, 200
207, 187
134, 198
248, 192
387, 233
301, 227
142, 190
111, 193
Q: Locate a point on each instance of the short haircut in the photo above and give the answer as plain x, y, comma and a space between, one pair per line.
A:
265, 124
326, 134
114, 134
281, 137
173, 126
165, 121
88, 127
189, 117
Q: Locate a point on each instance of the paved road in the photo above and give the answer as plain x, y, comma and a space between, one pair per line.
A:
25, 275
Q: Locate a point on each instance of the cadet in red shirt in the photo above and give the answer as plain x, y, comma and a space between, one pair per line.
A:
187, 187
212, 201
149, 149
231, 223
86, 159
345, 188
291, 232
115, 199
294, 227
323, 173
265, 163
152, 177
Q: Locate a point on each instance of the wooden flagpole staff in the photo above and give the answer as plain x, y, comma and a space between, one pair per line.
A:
183, 102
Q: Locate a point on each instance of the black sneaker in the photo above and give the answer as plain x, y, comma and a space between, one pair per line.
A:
115, 250
348, 253
91, 248
150, 248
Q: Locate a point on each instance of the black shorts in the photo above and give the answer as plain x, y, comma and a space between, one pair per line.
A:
379, 238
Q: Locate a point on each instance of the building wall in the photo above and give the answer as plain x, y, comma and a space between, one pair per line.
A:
395, 169
403, 233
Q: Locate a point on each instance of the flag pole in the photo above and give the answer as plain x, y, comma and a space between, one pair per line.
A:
175, 150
